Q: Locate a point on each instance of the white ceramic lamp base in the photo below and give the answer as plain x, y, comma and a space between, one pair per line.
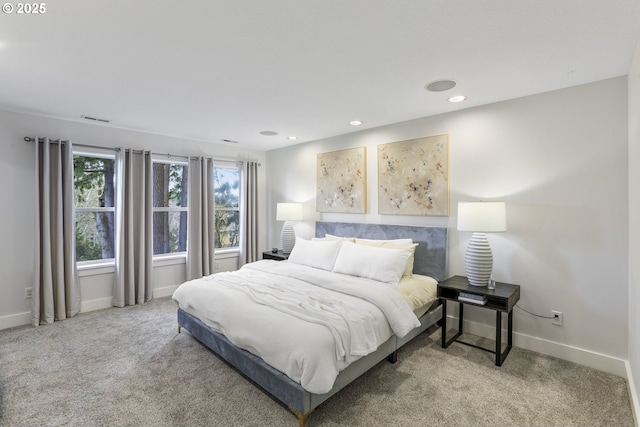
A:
478, 260
287, 237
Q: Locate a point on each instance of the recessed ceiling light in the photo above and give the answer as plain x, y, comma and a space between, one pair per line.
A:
268, 133
292, 138
457, 98
440, 85
355, 122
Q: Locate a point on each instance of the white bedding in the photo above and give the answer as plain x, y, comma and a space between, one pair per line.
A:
308, 331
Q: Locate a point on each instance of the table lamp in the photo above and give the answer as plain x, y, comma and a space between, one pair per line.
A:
288, 212
481, 218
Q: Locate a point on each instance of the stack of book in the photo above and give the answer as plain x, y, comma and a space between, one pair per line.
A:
472, 298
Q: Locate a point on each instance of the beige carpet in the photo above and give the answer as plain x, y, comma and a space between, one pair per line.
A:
129, 367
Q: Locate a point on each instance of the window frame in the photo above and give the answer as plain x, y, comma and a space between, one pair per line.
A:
99, 153
172, 161
229, 164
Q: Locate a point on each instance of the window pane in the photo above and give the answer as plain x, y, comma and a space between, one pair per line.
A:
169, 232
94, 236
170, 185
227, 191
227, 229
93, 179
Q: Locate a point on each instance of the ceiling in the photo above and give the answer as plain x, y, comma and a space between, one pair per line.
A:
226, 70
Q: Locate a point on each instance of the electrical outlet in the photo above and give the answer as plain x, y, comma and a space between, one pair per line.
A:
557, 317
217, 265
28, 293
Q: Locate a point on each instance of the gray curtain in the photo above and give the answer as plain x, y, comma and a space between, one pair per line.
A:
201, 230
134, 215
249, 214
56, 294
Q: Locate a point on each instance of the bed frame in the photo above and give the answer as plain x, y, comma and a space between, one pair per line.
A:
430, 259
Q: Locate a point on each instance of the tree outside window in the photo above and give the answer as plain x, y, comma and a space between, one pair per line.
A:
94, 196
227, 206
170, 206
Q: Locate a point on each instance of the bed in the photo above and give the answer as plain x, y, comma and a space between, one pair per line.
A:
300, 392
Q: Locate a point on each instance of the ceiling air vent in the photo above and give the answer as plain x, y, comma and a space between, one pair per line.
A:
95, 119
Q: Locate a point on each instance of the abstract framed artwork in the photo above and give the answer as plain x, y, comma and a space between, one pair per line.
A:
342, 181
413, 177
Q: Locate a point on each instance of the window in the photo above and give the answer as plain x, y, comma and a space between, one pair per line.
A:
170, 194
94, 193
227, 206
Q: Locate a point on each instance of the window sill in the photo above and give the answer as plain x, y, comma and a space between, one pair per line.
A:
96, 269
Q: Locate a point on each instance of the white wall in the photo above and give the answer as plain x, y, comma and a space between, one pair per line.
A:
17, 219
559, 160
634, 228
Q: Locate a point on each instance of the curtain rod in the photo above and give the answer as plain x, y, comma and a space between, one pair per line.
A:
58, 141
63, 141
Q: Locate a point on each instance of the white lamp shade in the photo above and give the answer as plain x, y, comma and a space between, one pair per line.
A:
289, 212
484, 217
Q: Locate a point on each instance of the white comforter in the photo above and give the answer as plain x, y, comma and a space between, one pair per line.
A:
291, 316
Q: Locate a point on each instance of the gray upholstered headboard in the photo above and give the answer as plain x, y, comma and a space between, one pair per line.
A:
431, 253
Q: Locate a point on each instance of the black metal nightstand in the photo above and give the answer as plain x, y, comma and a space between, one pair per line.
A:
502, 299
278, 256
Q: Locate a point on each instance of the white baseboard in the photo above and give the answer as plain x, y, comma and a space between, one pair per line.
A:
14, 320
635, 405
100, 303
22, 319
591, 359
95, 304
166, 291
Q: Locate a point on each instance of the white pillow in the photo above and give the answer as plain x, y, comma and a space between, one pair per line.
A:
315, 253
379, 242
395, 244
377, 263
332, 237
